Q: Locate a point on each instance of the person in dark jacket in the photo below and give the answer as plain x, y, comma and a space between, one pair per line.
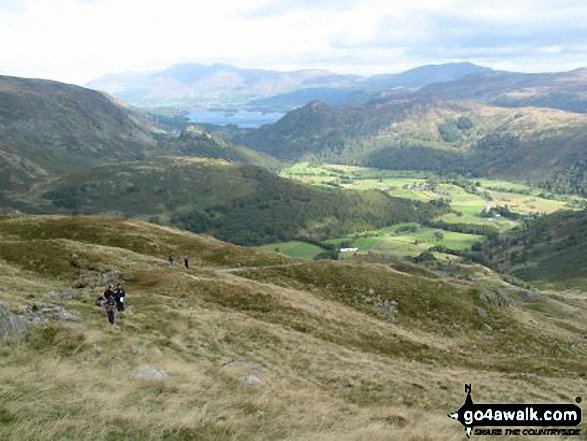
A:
186, 261
119, 297
110, 303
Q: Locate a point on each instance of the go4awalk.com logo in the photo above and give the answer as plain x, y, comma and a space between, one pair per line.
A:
473, 415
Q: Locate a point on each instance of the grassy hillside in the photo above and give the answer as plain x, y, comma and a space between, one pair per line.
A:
196, 141
248, 346
425, 134
550, 251
242, 204
48, 127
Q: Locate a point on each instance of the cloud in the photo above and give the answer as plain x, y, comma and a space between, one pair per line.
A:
274, 8
496, 27
78, 40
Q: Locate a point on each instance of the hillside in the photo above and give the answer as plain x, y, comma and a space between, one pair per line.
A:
196, 141
242, 204
48, 127
250, 346
561, 90
549, 251
462, 137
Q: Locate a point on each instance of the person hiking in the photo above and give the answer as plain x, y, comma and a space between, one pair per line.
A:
171, 261
119, 294
186, 261
109, 303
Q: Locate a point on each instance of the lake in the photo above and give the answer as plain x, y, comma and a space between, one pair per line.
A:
241, 118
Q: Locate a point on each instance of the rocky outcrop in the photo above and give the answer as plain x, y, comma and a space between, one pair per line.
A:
12, 327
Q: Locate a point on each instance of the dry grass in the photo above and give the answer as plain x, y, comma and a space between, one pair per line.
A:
330, 367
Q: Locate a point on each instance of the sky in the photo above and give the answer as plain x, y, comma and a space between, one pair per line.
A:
76, 41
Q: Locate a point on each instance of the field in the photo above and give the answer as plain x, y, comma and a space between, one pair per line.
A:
410, 244
468, 199
297, 250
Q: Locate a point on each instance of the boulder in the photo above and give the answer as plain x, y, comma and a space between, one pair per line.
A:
250, 380
149, 373
12, 327
63, 294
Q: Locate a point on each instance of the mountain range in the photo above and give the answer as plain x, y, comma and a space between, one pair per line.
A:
220, 85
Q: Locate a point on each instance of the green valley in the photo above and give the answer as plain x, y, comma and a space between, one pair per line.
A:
479, 208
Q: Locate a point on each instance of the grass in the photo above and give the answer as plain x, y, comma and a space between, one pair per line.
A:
408, 239
521, 199
295, 250
414, 185
332, 364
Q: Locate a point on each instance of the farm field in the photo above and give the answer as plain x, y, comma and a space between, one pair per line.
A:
468, 199
295, 249
407, 240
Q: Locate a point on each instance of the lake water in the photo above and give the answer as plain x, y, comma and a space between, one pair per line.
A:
241, 118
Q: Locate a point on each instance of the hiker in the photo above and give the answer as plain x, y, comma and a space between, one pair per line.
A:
171, 261
185, 261
119, 297
109, 303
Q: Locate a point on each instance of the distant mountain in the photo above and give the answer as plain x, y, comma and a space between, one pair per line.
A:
301, 97
48, 127
197, 85
364, 89
422, 76
563, 90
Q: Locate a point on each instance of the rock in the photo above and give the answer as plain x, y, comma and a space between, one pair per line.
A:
62, 294
387, 306
12, 327
80, 283
41, 314
250, 380
482, 312
59, 313
149, 373
501, 298
529, 296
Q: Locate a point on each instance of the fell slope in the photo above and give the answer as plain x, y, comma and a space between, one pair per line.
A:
549, 251
242, 204
442, 136
250, 346
48, 127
